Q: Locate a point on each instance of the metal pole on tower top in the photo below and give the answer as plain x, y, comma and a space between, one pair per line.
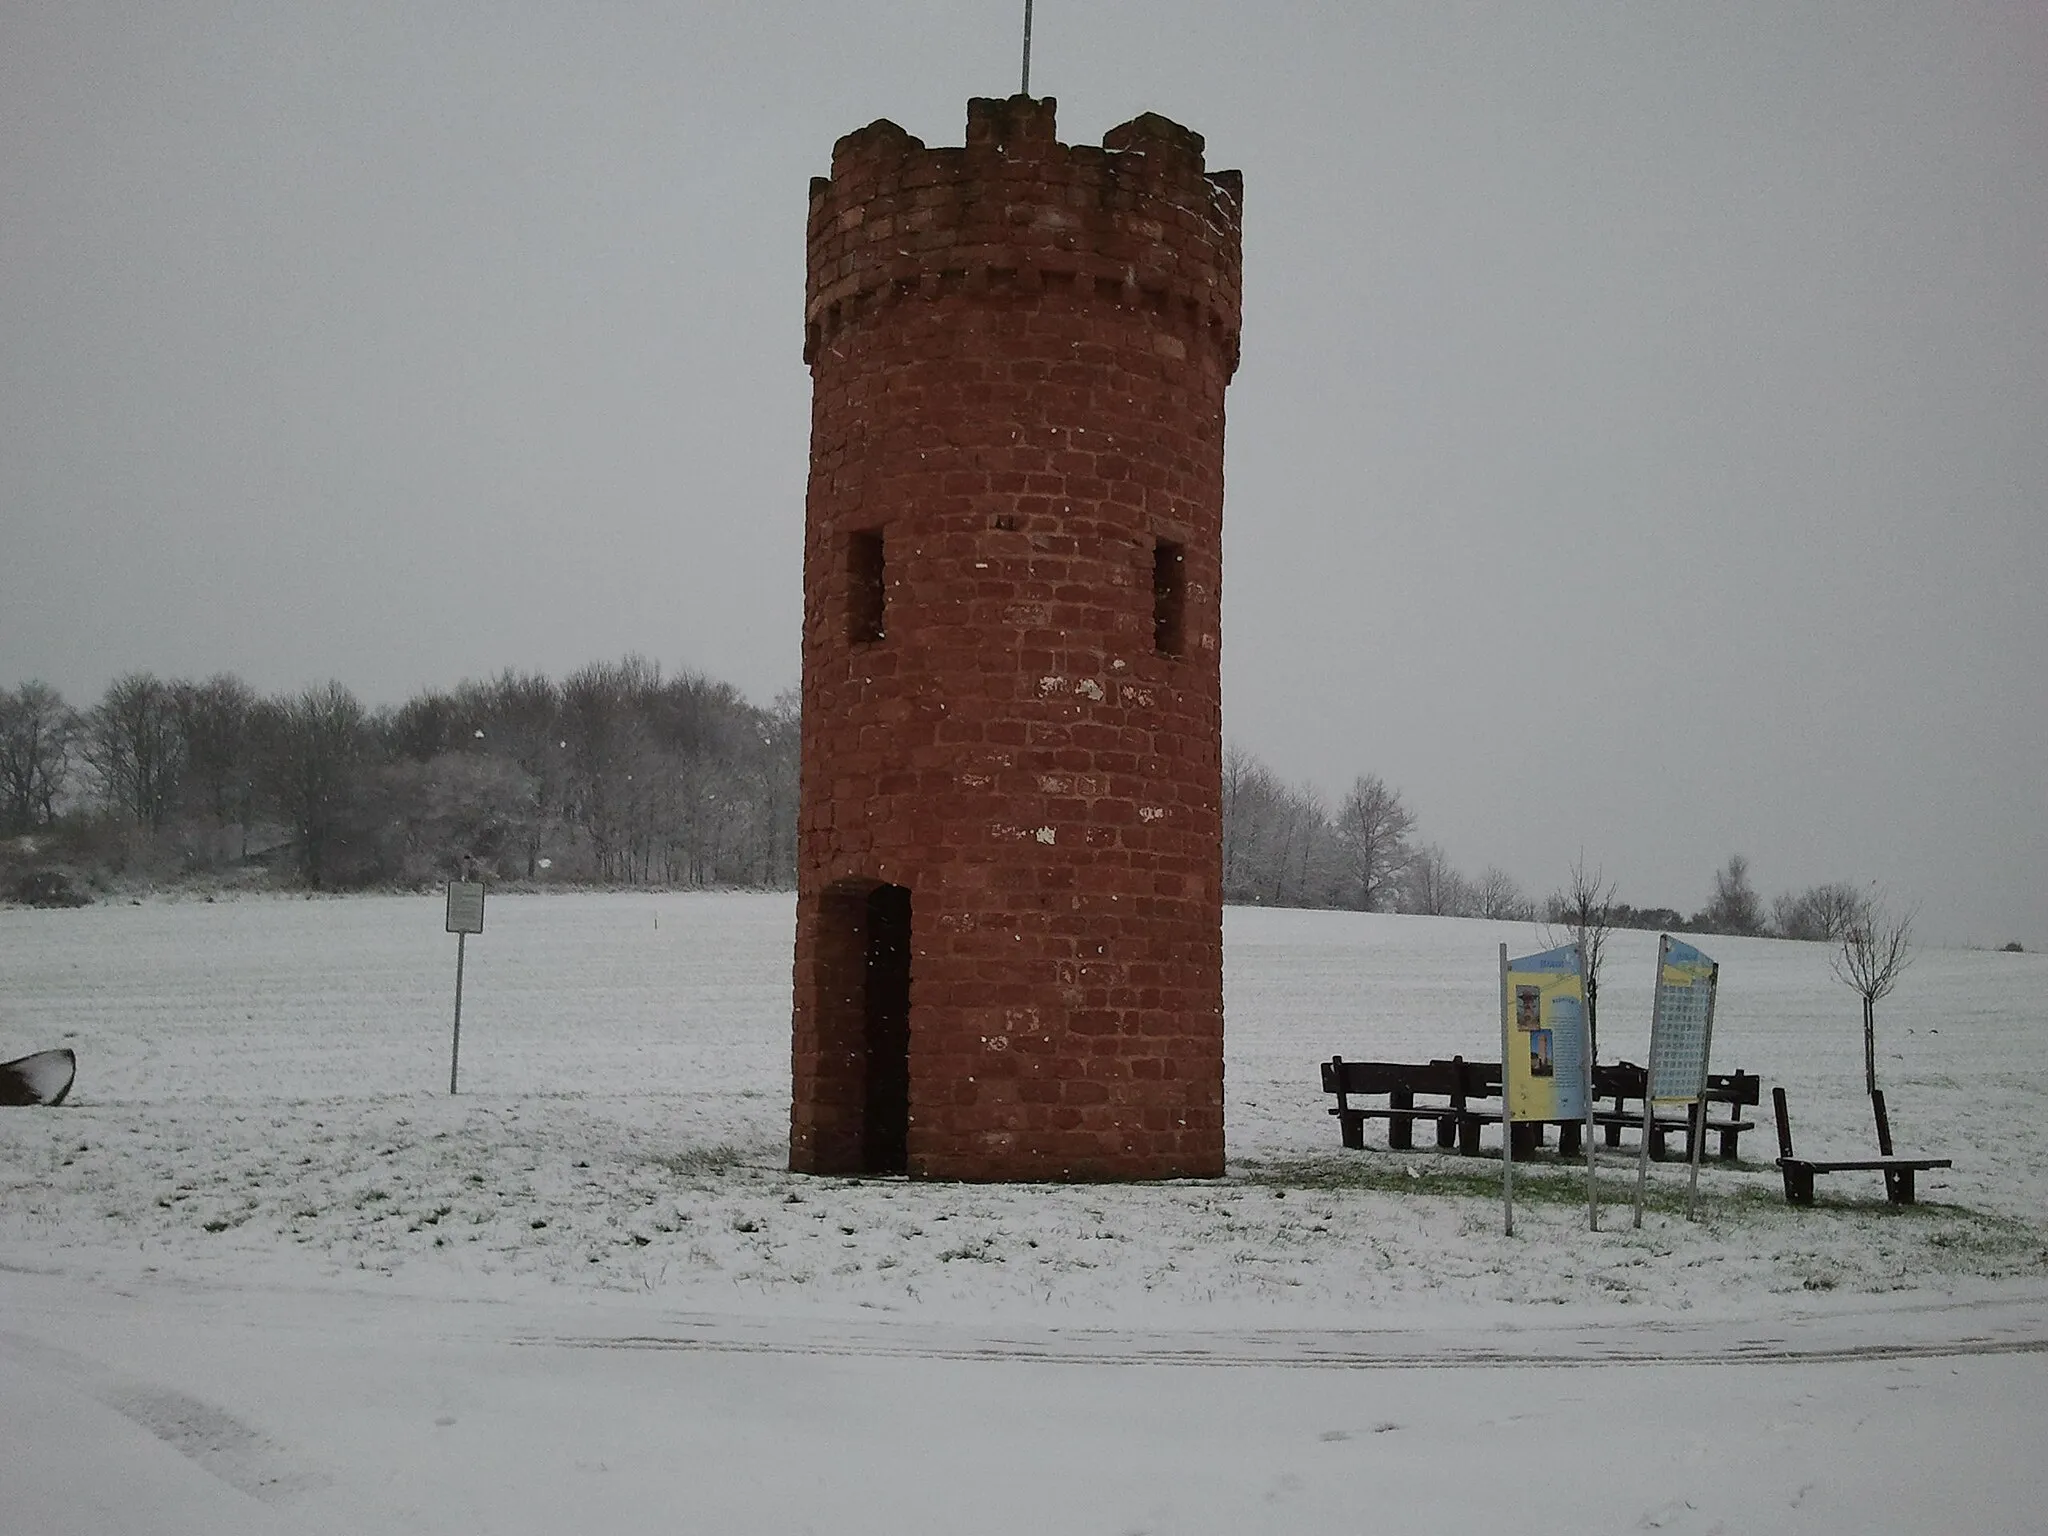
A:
1025, 89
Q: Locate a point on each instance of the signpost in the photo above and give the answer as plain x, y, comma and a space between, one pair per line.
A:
1546, 1061
1681, 1032
465, 916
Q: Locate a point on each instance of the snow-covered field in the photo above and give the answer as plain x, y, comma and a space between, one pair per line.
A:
263, 1272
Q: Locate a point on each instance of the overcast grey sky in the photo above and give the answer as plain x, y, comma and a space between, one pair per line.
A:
1641, 444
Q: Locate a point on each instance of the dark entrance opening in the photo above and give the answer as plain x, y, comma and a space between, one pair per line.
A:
885, 1125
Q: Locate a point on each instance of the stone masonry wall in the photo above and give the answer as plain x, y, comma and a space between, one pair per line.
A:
1019, 351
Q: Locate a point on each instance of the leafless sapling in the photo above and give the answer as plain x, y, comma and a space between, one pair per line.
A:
1582, 913
1868, 959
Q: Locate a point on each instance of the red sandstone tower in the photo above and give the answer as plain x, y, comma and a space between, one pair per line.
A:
1009, 949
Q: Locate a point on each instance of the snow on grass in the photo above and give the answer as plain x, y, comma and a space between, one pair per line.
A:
262, 1093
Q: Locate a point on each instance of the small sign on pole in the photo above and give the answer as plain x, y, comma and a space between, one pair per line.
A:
465, 916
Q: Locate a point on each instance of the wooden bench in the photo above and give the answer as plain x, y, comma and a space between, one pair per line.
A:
1623, 1082
1455, 1082
1469, 1095
1799, 1171
1464, 1098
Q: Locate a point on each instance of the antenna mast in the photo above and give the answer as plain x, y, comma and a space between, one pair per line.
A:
1025, 89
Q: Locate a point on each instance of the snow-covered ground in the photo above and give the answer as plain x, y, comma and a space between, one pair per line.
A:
263, 1272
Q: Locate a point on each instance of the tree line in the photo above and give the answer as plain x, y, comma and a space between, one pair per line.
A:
1284, 846
615, 774
620, 775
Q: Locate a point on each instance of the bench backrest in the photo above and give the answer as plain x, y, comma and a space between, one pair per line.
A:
1449, 1079
1626, 1080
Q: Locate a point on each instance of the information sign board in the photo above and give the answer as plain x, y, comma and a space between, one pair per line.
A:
1546, 1060
1543, 1060
1681, 1022
1681, 1035
465, 906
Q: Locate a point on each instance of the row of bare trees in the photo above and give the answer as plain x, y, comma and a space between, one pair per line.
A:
1871, 938
616, 774
1284, 846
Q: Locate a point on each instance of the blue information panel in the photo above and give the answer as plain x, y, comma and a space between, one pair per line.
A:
1681, 1022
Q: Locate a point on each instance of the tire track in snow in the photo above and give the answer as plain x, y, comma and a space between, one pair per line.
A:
238, 1453
2026, 1332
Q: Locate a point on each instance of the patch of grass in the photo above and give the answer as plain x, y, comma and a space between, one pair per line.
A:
983, 1252
1546, 1182
705, 1162
1405, 1173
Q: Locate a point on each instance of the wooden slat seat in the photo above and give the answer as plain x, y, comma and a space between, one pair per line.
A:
1799, 1171
1725, 1096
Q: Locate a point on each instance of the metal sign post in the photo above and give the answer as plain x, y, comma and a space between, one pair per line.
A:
1586, 1088
1507, 1119
1699, 1104
465, 916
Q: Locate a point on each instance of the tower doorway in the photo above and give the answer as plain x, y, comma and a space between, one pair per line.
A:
885, 1032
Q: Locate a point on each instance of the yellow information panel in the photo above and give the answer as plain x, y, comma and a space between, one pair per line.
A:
1543, 1036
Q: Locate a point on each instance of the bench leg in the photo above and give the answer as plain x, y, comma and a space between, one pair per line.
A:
1351, 1127
1468, 1135
1527, 1137
1446, 1131
1656, 1143
1400, 1131
1728, 1140
1898, 1185
1798, 1186
1570, 1138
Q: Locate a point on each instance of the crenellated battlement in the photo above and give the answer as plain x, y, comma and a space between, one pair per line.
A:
1137, 223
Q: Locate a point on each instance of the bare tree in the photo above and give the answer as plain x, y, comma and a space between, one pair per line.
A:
133, 743
37, 731
775, 783
1373, 827
1735, 906
1822, 912
605, 714
1278, 846
1434, 888
1497, 895
214, 718
1582, 913
520, 716
425, 726
1248, 791
313, 769
1868, 959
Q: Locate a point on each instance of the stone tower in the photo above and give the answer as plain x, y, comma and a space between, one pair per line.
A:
1009, 946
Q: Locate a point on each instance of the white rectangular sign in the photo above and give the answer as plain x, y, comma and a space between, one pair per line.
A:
465, 906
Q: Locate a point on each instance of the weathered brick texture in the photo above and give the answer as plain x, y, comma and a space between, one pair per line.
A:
1011, 708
